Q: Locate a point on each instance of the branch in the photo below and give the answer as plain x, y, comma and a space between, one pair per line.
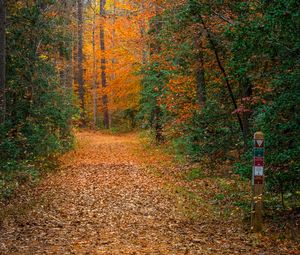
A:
222, 17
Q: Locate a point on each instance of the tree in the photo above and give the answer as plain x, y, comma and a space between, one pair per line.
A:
2, 59
103, 65
80, 80
94, 79
271, 41
38, 107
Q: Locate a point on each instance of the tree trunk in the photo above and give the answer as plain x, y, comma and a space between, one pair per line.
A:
113, 38
95, 85
143, 35
155, 49
103, 65
69, 68
158, 126
224, 73
2, 60
80, 80
246, 92
114, 60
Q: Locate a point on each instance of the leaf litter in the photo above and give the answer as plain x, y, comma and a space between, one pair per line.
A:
113, 195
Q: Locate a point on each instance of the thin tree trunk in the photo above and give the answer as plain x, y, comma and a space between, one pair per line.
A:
103, 65
75, 58
70, 70
246, 92
155, 49
80, 79
143, 35
70, 10
223, 71
95, 86
114, 60
113, 37
2, 60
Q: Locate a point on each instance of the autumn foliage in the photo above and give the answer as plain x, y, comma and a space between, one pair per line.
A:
200, 77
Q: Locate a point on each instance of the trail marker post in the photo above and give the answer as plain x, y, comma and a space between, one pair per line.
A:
257, 181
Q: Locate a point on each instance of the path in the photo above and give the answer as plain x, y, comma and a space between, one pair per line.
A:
107, 200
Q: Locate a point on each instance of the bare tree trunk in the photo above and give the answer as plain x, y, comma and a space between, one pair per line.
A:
65, 8
69, 68
224, 73
143, 35
2, 60
155, 48
113, 37
70, 8
74, 57
103, 65
95, 85
80, 79
157, 113
246, 92
114, 60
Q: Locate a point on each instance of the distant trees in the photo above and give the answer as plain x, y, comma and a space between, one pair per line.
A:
112, 57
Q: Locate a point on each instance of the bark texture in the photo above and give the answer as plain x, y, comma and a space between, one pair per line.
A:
2, 59
80, 79
103, 65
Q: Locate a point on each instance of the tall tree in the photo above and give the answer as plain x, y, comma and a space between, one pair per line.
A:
143, 33
2, 59
80, 79
155, 50
71, 10
103, 64
214, 47
95, 84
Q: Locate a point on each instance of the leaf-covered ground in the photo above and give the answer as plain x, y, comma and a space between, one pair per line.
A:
113, 195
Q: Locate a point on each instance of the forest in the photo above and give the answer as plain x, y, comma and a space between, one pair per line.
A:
159, 100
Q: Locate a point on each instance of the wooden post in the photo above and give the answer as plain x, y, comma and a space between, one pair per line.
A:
257, 182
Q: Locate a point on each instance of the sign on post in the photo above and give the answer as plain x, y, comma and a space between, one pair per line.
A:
257, 181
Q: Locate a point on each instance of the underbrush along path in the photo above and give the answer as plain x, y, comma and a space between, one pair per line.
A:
107, 199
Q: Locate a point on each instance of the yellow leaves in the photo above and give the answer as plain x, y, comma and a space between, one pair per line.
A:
124, 51
43, 57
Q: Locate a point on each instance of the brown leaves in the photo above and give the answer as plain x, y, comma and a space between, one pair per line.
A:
115, 196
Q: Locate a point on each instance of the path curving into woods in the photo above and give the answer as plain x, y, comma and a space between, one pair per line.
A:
109, 199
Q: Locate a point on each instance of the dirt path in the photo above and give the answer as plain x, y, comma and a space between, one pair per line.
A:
107, 200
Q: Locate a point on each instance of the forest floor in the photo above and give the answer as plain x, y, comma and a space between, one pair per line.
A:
114, 195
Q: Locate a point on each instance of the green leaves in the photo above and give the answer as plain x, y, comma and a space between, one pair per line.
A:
259, 47
271, 41
39, 109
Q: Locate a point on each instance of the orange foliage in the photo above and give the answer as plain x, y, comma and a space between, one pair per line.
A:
125, 45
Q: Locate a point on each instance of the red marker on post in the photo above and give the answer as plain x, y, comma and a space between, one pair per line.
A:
257, 181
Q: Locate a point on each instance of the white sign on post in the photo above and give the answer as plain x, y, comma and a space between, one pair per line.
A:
258, 171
